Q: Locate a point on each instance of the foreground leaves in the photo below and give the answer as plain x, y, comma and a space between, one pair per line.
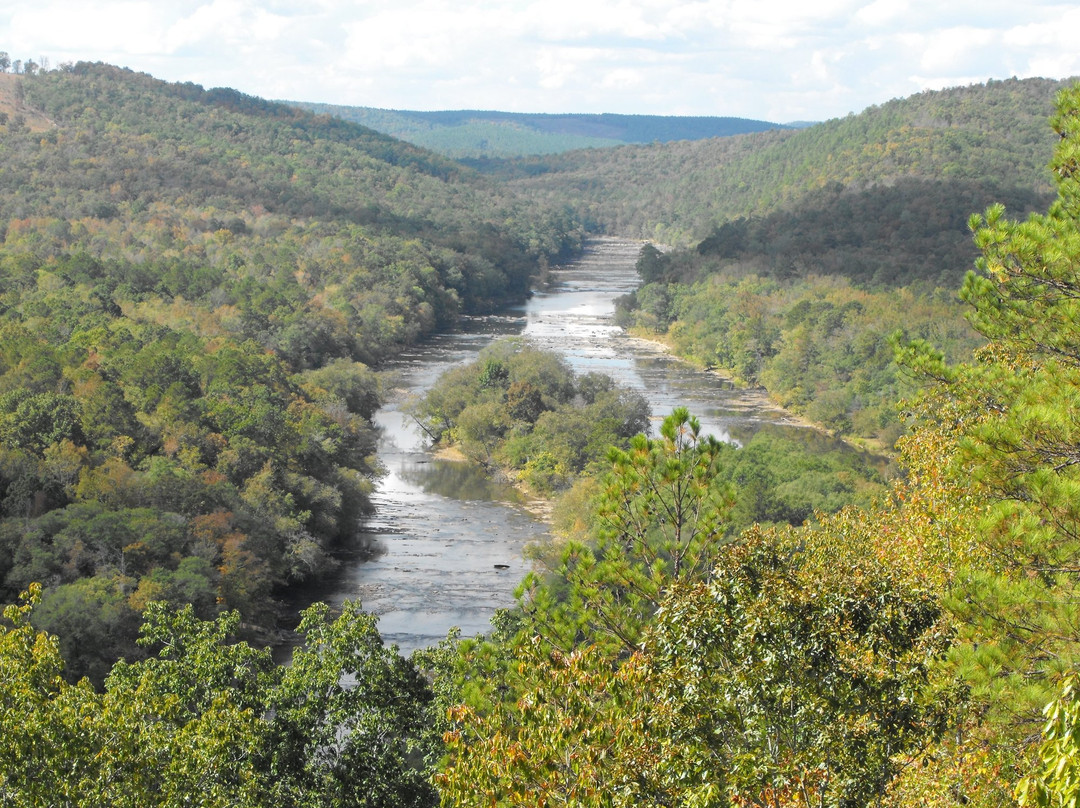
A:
210, 722
799, 673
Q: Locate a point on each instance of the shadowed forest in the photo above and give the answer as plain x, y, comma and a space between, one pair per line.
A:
199, 290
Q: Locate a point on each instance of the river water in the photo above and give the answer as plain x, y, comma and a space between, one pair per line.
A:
445, 547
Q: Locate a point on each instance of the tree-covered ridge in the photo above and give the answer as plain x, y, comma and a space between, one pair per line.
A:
125, 140
480, 134
803, 292
820, 345
892, 655
675, 193
194, 285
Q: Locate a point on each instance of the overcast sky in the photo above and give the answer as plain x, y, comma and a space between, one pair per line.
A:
769, 59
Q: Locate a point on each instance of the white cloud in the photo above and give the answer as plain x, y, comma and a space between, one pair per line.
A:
234, 22
559, 67
1046, 48
623, 78
820, 69
778, 60
125, 27
883, 12
574, 20
952, 50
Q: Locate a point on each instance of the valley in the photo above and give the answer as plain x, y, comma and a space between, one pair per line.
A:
232, 331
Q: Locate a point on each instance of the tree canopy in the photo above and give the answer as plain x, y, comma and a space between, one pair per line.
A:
210, 721
186, 385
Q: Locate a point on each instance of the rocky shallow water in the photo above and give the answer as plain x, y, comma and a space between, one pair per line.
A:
445, 547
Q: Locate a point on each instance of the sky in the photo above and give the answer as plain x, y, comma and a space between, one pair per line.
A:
773, 60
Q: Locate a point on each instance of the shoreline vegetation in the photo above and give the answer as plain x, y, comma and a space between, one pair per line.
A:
542, 504
756, 396
556, 447
759, 397
822, 348
194, 287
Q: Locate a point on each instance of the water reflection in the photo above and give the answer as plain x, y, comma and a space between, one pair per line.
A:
456, 480
445, 547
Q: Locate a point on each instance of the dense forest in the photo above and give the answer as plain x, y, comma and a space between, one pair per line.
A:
987, 140
196, 290
482, 134
853, 236
195, 287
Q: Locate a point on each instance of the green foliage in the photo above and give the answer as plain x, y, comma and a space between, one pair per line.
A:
161, 732
806, 668
1020, 446
1056, 781
661, 512
476, 134
797, 674
660, 519
208, 720
583, 733
34, 422
350, 383
349, 719
523, 409
1007, 420
781, 478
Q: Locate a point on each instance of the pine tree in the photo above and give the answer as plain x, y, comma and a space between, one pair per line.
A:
1013, 417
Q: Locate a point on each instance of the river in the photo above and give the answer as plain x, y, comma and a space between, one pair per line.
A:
445, 547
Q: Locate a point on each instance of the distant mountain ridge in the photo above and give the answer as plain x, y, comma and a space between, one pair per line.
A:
977, 144
488, 133
193, 287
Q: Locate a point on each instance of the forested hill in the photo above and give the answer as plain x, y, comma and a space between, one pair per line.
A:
972, 145
183, 422
124, 140
808, 251
192, 286
480, 134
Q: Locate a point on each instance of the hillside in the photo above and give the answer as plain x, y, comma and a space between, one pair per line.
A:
986, 141
820, 246
223, 148
482, 134
13, 106
194, 287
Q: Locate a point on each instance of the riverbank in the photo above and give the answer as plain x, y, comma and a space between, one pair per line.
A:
758, 399
447, 542
751, 399
537, 505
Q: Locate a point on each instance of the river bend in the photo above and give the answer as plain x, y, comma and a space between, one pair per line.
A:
445, 547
